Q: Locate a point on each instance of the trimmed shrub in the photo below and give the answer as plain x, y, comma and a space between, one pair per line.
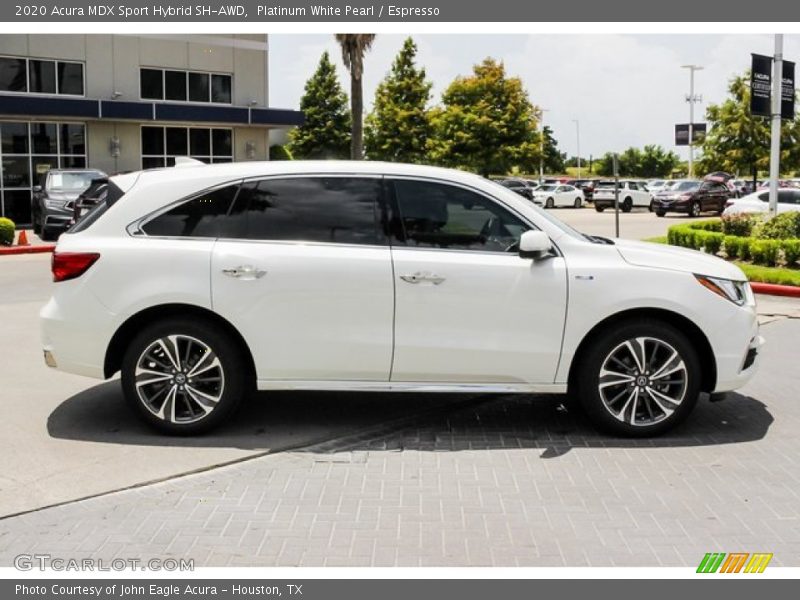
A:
712, 241
765, 252
280, 152
709, 225
791, 252
6, 231
781, 227
740, 225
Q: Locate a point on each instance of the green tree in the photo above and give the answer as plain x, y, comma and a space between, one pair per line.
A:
738, 142
486, 123
651, 161
553, 158
399, 126
654, 161
325, 133
354, 48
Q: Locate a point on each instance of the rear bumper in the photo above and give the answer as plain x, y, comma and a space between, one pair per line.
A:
75, 335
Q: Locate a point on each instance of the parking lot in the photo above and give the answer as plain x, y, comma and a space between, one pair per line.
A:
366, 479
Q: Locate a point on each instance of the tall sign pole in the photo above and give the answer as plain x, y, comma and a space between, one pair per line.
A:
691, 99
775, 147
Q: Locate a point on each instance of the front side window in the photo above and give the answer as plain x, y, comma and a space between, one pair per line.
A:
436, 215
202, 216
339, 210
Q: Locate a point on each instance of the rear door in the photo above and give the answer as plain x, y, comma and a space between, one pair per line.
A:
304, 272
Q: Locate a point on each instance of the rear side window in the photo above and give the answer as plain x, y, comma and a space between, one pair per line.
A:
105, 201
435, 215
202, 216
342, 210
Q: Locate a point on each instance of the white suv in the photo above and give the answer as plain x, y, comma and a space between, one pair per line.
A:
200, 284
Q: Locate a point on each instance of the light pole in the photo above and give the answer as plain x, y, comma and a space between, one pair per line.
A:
692, 99
578, 134
541, 112
775, 142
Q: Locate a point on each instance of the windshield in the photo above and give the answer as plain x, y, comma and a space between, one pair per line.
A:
71, 181
685, 186
546, 188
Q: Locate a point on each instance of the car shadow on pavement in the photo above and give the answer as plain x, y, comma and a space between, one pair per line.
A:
323, 422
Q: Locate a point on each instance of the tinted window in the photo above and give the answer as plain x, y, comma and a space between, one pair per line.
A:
200, 217
435, 215
198, 87
175, 85
42, 76
310, 209
12, 75
152, 84
221, 88
70, 78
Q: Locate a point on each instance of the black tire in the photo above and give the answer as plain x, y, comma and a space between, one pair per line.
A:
48, 234
549, 203
627, 205
236, 380
607, 342
660, 213
599, 208
694, 209
577, 203
37, 226
652, 206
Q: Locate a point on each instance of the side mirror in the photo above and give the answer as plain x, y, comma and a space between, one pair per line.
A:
534, 244
37, 189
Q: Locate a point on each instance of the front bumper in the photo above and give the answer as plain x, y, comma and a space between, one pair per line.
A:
679, 207
738, 351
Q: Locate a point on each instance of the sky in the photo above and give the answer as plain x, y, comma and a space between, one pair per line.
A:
624, 90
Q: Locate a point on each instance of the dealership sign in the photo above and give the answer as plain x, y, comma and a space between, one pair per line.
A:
682, 134
761, 87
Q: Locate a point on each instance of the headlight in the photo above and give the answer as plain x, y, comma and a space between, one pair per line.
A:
738, 292
54, 203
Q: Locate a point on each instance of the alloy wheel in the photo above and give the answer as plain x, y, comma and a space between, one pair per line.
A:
179, 379
643, 381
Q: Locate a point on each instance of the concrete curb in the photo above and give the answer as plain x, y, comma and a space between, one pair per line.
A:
774, 289
27, 249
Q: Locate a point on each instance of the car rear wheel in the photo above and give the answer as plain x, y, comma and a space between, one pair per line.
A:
640, 379
627, 205
660, 213
549, 203
652, 206
183, 377
599, 208
577, 203
48, 234
694, 209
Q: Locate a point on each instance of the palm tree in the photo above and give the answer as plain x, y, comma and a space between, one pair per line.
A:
354, 47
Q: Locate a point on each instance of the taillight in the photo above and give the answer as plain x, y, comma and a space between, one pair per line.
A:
729, 203
69, 265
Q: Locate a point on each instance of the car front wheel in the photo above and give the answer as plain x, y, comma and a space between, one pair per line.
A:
183, 376
640, 379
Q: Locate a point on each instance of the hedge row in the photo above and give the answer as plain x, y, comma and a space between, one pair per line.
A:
703, 236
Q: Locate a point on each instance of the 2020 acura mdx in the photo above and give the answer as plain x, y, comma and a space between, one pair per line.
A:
201, 283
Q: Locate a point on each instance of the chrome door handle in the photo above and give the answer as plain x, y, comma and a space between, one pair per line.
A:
246, 272
419, 277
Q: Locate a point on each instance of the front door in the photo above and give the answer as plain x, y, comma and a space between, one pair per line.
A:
305, 274
468, 308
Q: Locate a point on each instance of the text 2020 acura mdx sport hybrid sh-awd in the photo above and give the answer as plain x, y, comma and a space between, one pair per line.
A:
201, 283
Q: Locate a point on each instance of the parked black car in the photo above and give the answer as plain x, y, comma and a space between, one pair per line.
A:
96, 192
53, 199
692, 198
523, 187
587, 186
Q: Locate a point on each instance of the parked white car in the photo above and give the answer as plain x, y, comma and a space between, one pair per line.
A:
758, 202
631, 194
200, 284
550, 195
655, 186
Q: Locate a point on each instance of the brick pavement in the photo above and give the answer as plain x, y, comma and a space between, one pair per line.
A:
509, 482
